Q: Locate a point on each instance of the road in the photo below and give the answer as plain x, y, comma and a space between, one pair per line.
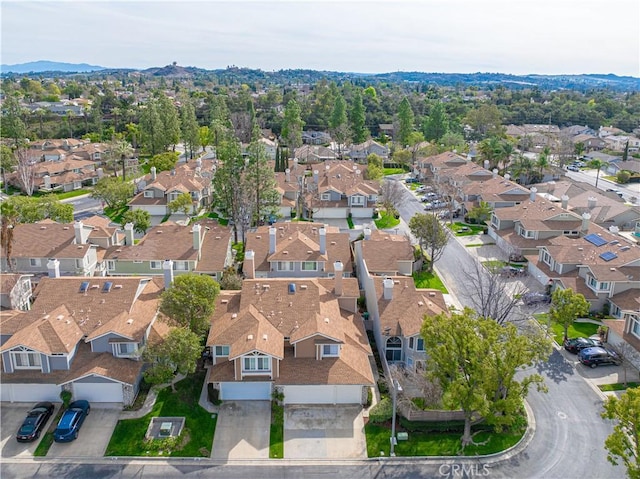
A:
628, 191
84, 206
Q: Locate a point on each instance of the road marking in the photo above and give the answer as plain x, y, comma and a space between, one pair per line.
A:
562, 415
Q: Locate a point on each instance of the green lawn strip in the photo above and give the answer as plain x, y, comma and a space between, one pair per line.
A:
393, 171
45, 444
477, 245
197, 437
115, 214
387, 221
618, 386
437, 443
473, 229
576, 330
72, 194
424, 279
276, 431
494, 265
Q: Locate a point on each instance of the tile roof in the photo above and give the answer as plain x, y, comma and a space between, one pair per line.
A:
628, 300
44, 239
383, 251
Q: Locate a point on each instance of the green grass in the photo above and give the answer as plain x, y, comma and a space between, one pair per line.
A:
434, 443
473, 229
45, 444
393, 171
115, 214
387, 221
197, 437
276, 431
221, 221
618, 386
576, 330
494, 265
239, 249
72, 194
424, 279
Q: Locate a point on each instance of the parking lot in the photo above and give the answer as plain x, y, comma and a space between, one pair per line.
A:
12, 417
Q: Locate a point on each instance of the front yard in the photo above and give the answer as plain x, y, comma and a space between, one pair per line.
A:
576, 330
465, 229
425, 279
128, 438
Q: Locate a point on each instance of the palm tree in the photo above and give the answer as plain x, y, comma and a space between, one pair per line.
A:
120, 150
490, 150
543, 161
522, 169
504, 159
597, 165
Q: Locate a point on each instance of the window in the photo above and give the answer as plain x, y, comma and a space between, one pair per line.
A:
394, 349
309, 266
256, 363
325, 196
546, 258
357, 200
597, 285
330, 350
79, 263
125, 350
635, 326
26, 360
417, 344
181, 265
34, 262
285, 265
156, 264
222, 350
148, 193
111, 265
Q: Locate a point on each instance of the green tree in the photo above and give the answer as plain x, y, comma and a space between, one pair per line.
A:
118, 151
260, 179
292, 125
405, 121
7, 162
623, 176
164, 161
375, 170
485, 120
170, 120
178, 353
579, 149
624, 442
141, 220
190, 128
190, 301
205, 136
8, 221
434, 127
152, 128
231, 280
32, 209
183, 204
430, 234
597, 165
566, 306
358, 119
112, 191
338, 123
490, 150
12, 125
481, 213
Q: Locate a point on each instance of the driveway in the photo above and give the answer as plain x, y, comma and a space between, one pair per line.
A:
94, 435
12, 417
242, 430
327, 432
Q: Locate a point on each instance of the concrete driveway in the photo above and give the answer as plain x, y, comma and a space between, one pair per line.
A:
12, 417
95, 433
242, 430
327, 432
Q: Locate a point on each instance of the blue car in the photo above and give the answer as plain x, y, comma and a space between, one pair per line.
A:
71, 421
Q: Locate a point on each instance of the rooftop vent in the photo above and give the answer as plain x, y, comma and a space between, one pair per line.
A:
292, 288
264, 337
224, 301
95, 286
420, 303
285, 252
249, 337
118, 286
130, 321
107, 286
326, 320
309, 251
303, 286
258, 237
60, 316
234, 315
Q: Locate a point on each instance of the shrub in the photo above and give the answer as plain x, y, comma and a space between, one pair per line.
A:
213, 394
383, 387
369, 398
381, 412
65, 396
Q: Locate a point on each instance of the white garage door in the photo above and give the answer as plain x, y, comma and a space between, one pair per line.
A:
98, 392
330, 213
361, 212
29, 392
253, 391
322, 394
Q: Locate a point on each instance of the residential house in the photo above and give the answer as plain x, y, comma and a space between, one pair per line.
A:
83, 335
157, 190
302, 337
596, 155
360, 152
47, 247
386, 129
203, 247
15, 292
426, 168
575, 130
380, 253
620, 143
296, 250
605, 131
616, 166
311, 137
314, 154
626, 329
590, 142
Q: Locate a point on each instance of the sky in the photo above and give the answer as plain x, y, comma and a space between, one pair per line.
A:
450, 36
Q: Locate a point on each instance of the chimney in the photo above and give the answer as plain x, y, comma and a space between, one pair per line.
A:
199, 163
167, 267
100, 173
128, 234
592, 202
315, 176
585, 221
495, 173
249, 266
197, 239
153, 173
532, 194
323, 240
338, 268
387, 286
507, 176
367, 233
47, 182
53, 266
81, 235
272, 240
565, 201
287, 175
486, 164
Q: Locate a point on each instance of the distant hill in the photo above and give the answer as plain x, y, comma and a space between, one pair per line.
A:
47, 66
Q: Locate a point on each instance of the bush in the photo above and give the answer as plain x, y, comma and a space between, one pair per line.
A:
213, 394
65, 397
383, 387
369, 398
381, 412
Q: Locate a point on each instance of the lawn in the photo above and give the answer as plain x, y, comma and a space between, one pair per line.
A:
575, 330
276, 432
387, 221
115, 214
436, 443
424, 279
464, 229
196, 439
72, 194
221, 221
45, 443
618, 386
393, 171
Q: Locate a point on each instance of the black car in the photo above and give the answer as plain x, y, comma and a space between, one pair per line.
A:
34, 422
71, 421
594, 357
575, 345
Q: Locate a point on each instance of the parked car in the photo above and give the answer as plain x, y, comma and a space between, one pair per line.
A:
535, 298
411, 180
573, 168
575, 345
421, 189
71, 421
34, 422
594, 357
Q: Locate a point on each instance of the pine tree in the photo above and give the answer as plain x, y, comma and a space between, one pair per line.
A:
358, 119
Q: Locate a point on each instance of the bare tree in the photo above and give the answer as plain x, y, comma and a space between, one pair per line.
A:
25, 170
392, 194
628, 355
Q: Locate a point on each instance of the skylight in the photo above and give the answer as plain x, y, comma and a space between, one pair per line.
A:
595, 240
608, 256
107, 286
84, 286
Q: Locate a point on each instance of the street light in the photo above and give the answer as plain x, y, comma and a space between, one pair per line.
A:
395, 385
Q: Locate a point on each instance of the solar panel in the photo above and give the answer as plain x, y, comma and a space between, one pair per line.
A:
608, 256
107, 286
84, 286
595, 240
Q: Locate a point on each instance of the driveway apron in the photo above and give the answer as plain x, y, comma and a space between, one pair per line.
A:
242, 430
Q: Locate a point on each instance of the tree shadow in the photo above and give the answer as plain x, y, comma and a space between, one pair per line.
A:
556, 368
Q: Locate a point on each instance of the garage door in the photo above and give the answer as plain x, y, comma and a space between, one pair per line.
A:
29, 392
322, 394
98, 392
253, 391
330, 213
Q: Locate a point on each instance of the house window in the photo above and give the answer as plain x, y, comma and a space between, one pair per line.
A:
26, 360
417, 344
546, 258
325, 196
528, 234
256, 363
309, 266
126, 350
181, 265
330, 350
394, 349
156, 264
148, 193
222, 350
111, 265
357, 200
285, 265
597, 285
34, 261
79, 263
